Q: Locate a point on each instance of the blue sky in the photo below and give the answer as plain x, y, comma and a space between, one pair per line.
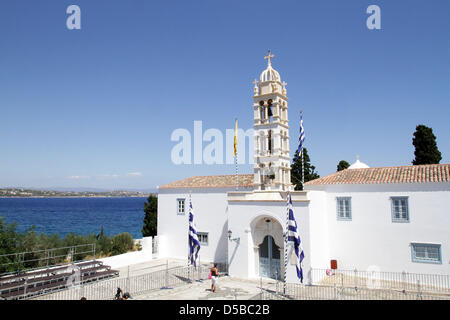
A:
96, 107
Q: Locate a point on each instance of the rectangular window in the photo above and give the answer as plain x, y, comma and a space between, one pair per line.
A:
400, 210
344, 208
203, 238
424, 252
180, 206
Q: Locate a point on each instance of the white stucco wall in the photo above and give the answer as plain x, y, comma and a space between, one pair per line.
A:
371, 238
242, 256
210, 215
319, 229
147, 244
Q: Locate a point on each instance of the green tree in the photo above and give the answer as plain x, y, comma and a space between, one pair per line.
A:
101, 234
151, 216
30, 244
342, 165
426, 150
297, 169
9, 239
104, 243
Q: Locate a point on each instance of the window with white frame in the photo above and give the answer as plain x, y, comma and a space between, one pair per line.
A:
203, 238
181, 206
426, 252
344, 208
400, 210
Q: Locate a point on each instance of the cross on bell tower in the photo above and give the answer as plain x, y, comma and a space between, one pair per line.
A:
268, 57
272, 170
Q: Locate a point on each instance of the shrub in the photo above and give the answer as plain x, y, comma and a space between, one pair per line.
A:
122, 243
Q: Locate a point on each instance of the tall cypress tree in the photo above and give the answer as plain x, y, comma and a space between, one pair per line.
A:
426, 150
297, 169
151, 216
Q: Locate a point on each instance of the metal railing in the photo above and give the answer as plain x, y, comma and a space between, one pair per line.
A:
134, 285
398, 281
53, 279
302, 292
21, 262
329, 284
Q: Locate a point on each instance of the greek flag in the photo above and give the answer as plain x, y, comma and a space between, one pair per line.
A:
294, 238
302, 135
194, 244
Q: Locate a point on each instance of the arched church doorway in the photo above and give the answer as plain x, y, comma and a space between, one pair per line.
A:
268, 244
269, 259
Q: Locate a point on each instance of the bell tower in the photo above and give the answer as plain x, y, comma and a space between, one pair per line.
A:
272, 170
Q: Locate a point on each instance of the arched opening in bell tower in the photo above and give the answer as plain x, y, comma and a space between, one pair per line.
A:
269, 110
262, 112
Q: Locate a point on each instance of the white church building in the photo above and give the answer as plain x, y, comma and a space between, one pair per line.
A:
394, 218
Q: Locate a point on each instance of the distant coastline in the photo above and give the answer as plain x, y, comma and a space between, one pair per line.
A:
31, 193
62, 197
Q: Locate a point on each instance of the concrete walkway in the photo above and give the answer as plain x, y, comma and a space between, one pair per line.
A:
228, 288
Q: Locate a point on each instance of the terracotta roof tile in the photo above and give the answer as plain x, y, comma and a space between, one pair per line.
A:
400, 174
222, 181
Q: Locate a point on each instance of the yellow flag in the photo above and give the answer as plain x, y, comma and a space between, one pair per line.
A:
235, 140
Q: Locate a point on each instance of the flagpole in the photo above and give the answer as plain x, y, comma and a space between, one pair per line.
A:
236, 154
236, 166
285, 246
189, 235
303, 171
303, 160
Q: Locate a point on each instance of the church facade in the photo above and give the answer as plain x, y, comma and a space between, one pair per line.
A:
396, 219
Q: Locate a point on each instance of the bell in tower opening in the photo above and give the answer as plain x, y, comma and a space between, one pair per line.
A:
270, 141
269, 106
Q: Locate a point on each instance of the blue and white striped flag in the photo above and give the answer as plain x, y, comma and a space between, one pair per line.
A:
302, 135
194, 244
294, 238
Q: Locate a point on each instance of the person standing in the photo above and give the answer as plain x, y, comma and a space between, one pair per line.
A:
118, 294
214, 277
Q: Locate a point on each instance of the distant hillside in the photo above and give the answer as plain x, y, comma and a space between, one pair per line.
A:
28, 192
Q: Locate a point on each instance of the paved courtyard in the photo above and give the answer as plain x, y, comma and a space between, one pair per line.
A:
228, 288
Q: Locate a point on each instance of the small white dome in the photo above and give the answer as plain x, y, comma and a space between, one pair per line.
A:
269, 74
358, 164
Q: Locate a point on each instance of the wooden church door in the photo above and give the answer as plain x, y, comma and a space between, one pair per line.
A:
269, 259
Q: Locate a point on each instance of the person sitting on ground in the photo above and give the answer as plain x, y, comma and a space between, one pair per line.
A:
126, 296
214, 277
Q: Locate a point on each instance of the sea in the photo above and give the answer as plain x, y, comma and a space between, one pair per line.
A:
76, 215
